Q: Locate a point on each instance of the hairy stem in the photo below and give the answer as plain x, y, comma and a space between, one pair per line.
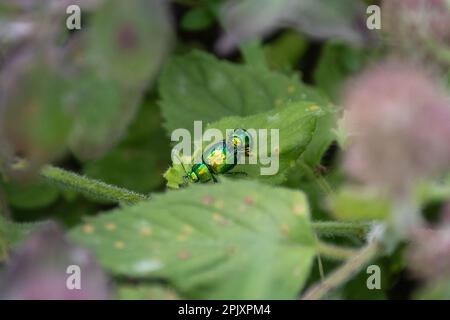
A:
335, 252
318, 178
344, 273
91, 187
336, 228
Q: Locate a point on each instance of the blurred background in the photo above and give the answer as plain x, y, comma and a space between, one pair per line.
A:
96, 100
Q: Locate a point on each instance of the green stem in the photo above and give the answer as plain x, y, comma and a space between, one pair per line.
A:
318, 178
335, 252
336, 228
91, 187
344, 273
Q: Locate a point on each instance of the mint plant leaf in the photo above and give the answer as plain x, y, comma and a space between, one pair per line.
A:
235, 240
337, 63
12, 233
121, 61
197, 19
118, 42
355, 204
34, 194
36, 124
103, 109
198, 86
145, 292
138, 161
322, 137
296, 123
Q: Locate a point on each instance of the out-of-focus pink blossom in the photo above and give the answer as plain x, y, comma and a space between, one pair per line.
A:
399, 122
413, 25
38, 269
429, 253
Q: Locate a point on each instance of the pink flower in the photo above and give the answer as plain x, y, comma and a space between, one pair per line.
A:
399, 120
412, 25
429, 253
38, 269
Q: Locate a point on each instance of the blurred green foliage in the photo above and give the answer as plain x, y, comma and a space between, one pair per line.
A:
103, 101
206, 245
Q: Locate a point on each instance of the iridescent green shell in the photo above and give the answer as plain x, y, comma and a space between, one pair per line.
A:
219, 158
200, 172
241, 141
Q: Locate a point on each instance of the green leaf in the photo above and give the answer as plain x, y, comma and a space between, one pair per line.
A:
121, 60
35, 120
323, 136
119, 41
239, 240
103, 111
36, 194
197, 19
138, 162
284, 52
198, 86
296, 123
337, 63
253, 54
145, 292
175, 176
351, 203
12, 233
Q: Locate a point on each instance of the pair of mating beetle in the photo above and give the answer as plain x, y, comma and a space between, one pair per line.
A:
220, 158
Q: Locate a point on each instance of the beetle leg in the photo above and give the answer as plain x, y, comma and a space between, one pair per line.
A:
236, 173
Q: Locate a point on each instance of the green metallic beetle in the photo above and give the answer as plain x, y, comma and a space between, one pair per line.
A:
221, 157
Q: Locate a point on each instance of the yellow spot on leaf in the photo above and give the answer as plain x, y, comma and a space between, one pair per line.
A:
299, 209
182, 237
119, 245
110, 226
220, 219
187, 229
285, 229
291, 89
249, 200
185, 232
231, 250
297, 271
88, 228
207, 200
313, 108
278, 102
183, 255
146, 231
219, 204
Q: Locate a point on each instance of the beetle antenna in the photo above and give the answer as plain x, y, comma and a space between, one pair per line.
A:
181, 161
185, 178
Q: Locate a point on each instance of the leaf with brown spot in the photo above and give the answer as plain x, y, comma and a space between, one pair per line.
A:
208, 250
